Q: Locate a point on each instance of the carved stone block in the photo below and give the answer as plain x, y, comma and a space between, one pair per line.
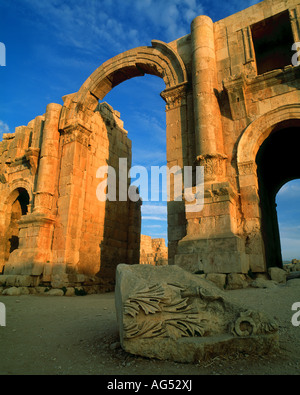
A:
167, 313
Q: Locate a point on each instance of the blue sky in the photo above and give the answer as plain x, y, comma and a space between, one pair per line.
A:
52, 46
288, 211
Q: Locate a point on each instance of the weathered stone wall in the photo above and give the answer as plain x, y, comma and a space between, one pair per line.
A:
242, 108
64, 229
225, 99
18, 163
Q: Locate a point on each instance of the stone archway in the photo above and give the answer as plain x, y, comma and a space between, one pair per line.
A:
159, 60
16, 205
78, 123
264, 167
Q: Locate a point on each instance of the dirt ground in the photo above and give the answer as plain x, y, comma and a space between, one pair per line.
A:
53, 335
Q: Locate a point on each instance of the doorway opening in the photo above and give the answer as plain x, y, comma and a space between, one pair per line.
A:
288, 211
277, 163
143, 113
19, 208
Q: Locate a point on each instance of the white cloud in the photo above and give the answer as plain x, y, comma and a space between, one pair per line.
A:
153, 218
4, 128
144, 157
93, 25
155, 126
154, 209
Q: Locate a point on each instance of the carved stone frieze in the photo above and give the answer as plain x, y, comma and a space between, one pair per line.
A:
168, 313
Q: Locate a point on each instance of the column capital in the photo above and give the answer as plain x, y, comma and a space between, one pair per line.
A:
214, 166
175, 96
76, 132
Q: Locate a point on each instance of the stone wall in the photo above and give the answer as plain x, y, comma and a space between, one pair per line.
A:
52, 224
225, 101
237, 229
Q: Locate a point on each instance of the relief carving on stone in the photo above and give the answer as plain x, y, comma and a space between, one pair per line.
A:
76, 133
166, 310
214, 165
247, 168
168, 313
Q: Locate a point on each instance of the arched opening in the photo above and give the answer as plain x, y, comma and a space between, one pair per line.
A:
159, 60
19, 207
277, 163
76, 124
143, 113
288, 211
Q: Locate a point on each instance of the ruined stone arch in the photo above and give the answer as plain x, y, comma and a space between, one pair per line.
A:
259, 130
78, 118
12, 194
159, 59
16, 203
13, 191
266, 161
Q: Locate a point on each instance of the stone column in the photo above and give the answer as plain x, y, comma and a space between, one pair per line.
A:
72, 190
211, 244
48, 164
208, 127
251, 208
177, 155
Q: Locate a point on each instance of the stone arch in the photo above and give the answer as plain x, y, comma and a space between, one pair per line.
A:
77, 125
13, 191
259, 130
262, 170
159, 60
16, 204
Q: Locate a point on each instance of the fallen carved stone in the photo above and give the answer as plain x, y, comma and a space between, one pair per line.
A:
168, 313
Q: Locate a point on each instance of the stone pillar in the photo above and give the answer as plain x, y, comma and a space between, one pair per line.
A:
49, 159
177, 155
211, 243
250, 205
208, 126
72, 189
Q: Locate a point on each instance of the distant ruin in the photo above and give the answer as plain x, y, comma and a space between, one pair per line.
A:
232, 106
153, 251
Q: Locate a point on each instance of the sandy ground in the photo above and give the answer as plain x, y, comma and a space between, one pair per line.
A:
78, 335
